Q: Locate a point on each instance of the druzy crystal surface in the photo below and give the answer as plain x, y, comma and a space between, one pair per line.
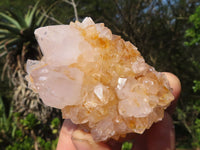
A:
100, 81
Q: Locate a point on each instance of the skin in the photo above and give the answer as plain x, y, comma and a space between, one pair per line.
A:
161, 136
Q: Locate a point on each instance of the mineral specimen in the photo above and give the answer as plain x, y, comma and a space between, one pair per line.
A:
100, 81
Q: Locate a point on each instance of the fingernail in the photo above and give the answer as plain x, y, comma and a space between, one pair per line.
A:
84, 141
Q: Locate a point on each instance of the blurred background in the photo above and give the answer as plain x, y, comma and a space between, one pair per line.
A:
166, 32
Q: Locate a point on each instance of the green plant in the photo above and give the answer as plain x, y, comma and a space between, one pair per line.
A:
17, 40
127, 146
193, 33
50, 145
30, 121
190, 112
17, 44
54, 125
16, 30
7, 126
26, 143
196, 142
196, 127
18, 133
14, 135
196, 86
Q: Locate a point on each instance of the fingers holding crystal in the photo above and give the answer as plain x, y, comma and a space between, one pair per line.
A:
85, 141
65, 142
175, 84
161, 135
72, 138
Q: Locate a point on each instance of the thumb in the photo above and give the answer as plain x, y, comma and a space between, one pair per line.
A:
84, 141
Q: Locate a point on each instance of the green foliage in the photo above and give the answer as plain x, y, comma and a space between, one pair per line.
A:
26, 144
16, 29
127, 146
47, 145
196, 126
22, 130
14, 133
189, 115
43, 144
196, 86
54, 125
193, 33
30, 121
17, 40
196, 142
6, 123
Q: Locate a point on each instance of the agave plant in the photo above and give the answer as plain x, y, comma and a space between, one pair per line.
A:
17, 31
17, 44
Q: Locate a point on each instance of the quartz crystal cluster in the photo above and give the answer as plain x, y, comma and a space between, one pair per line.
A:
100, 81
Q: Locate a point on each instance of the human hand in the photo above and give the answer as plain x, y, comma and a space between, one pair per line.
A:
160, 136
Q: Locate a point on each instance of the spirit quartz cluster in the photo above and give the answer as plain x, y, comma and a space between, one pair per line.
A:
100, 81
